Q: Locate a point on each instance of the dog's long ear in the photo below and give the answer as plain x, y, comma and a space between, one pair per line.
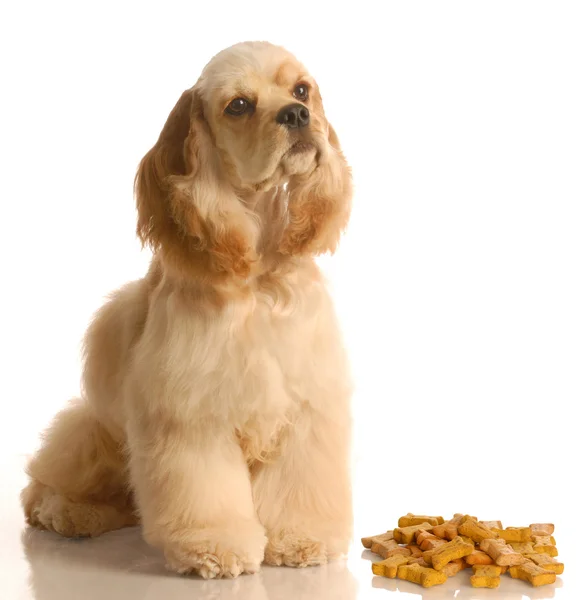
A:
187, 210
319, 204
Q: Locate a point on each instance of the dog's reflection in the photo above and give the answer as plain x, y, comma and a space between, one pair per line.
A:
333, 581
120, 566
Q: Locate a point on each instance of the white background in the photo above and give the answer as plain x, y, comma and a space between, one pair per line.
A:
459, 284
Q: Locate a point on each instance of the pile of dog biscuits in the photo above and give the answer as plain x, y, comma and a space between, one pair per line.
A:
427, 550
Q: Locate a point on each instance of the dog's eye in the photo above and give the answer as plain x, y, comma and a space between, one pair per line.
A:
238, 106
301, 91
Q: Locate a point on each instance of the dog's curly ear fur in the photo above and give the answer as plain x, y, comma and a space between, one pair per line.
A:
319, 204
187, 210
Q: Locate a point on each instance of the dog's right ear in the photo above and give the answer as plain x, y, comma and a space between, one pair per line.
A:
187, 210
156, 198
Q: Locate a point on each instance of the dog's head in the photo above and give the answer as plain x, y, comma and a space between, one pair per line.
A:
265, 113
253, 121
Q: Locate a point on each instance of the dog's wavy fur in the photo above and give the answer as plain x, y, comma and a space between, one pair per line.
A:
215, 401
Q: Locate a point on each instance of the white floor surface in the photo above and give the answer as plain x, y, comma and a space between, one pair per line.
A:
120, 565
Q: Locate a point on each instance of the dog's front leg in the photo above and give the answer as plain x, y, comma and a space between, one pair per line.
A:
194, 495
303, 498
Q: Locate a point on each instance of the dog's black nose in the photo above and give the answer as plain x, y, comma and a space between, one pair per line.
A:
293, 116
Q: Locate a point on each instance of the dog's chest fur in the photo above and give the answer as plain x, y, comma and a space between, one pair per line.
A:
258, 363
281, 354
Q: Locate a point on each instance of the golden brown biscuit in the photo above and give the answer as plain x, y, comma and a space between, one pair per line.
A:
383, 547
416, 551
501, 552
477, 557
398, 550
522, 547
454, 567
405, 535
487, 570
514, 534
432, 544
449, 529
388, 567
426, 540
419, 560
485, 576
532, 573
547, 562
422, 575
411, 519
476, 532
440, 556
547, 540
545, 544
367, 542
542, 528
491, 524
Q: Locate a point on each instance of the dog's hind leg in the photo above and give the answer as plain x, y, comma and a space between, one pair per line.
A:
78, 478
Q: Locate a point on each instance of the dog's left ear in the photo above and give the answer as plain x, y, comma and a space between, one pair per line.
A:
319, 204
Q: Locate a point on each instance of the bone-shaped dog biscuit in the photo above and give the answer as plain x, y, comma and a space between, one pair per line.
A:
545, 544
416, 551
476, 532
547, 562
382, 548
405, 535
454, 567
501, 552
427, 541
486, 576
419, 560
522, 547
388, 567
514, 534
411, 519
449, 529
478, 557
491, 524
542, 528
532, 573
441, 555
367, 542
422, 575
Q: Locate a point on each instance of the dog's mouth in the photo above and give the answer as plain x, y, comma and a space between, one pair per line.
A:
300, 156
300, 147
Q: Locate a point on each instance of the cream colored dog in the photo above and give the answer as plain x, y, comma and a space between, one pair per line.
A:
215, 405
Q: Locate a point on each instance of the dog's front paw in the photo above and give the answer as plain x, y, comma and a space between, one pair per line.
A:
217, 552
294, 549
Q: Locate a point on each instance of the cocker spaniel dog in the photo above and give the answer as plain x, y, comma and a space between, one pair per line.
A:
215, 404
